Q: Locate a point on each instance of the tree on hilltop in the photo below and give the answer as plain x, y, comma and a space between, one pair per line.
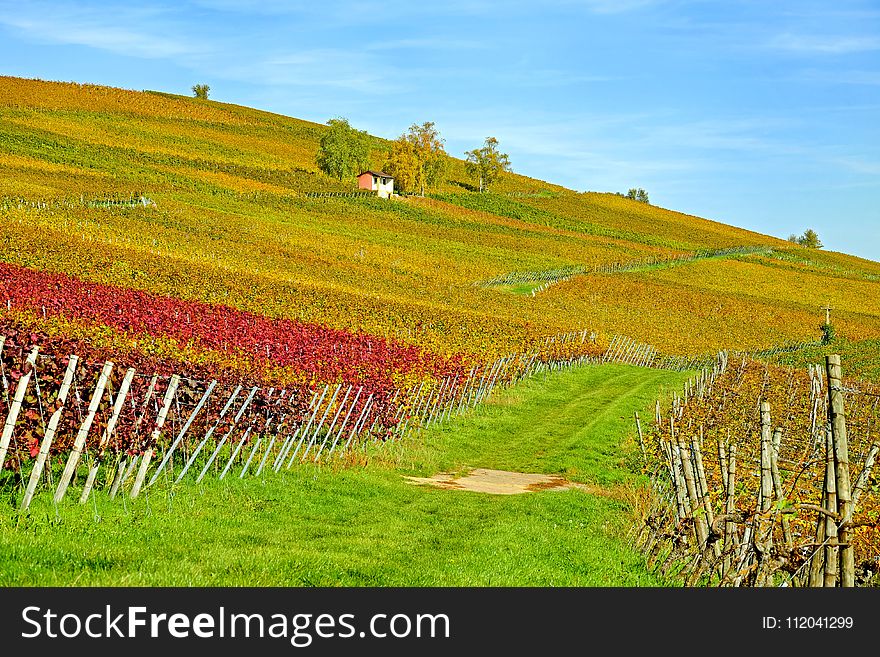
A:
486, 164
639, 195
201, 91
809, 239
417, 159
343, 151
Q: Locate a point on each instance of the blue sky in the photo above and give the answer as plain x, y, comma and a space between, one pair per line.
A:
761, 114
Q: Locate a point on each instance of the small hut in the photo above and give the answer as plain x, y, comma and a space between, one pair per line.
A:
381, 183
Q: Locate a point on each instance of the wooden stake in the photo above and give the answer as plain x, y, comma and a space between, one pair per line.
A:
730, 507
80, 441
837, 419
345, 421
358, 423
46, 443
154, 437
641, 438
831, 539
763, 537
320, 424
108, 432
235, 421
170, 451
15, 409
209, 433
777, 485
704, 491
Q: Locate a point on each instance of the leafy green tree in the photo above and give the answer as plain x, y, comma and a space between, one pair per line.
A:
417, 159
639, 195
486, 164
201, 91
810, 239
343, 151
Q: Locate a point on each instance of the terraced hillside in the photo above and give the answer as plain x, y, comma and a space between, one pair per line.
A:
229, 221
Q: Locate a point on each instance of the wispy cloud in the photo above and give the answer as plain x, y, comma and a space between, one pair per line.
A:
613, 6
824, 44
427, 43
854, 77
858, 164
122, 30
324, 67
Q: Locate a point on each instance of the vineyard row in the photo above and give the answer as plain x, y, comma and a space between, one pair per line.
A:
124, 431
741, 501
551, 276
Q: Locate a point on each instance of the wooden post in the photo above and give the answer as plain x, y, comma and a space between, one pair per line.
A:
722, 461
862, 481
332, 426
304, 432
831, 538
817, 560
694, 501
15, 409
288, 440
641, 438
763, 537
365, 411
235, 421
317, 430
170, 451
777, 485
268, 422
730, 507
837, 418
154, 437
108, 433
80, 441
209, 433
46, 443
344, 421
236, 451
704, 490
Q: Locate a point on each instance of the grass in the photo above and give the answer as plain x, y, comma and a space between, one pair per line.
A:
364, 525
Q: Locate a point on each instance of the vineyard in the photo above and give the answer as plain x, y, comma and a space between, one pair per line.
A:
185, 297
60, 409
764, 476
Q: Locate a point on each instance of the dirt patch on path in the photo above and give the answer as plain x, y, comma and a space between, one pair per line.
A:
502, 482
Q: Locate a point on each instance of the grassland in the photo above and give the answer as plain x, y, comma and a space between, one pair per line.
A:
364, 525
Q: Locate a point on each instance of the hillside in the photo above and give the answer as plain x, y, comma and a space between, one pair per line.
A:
230, 223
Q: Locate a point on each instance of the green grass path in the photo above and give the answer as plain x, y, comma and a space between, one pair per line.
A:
366, 525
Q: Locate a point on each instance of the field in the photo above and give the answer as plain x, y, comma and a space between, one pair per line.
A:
189, 250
